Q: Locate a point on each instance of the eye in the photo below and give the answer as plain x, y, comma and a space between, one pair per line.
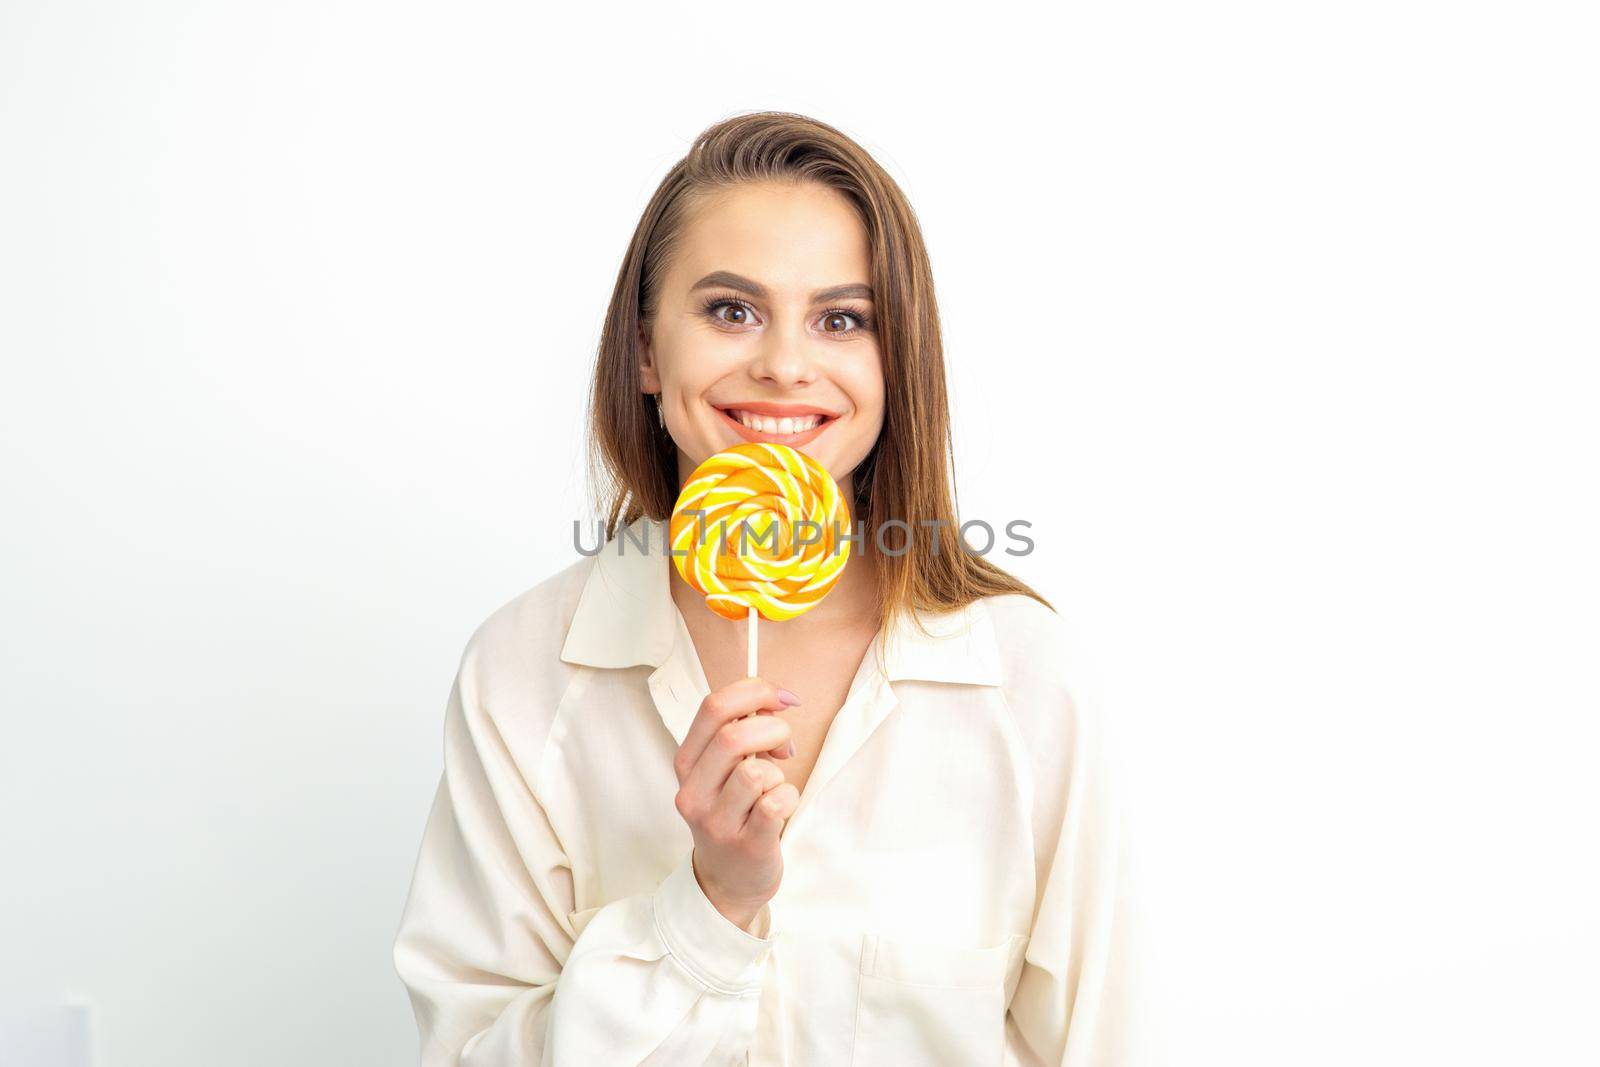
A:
863, 322
739, 312
726, 309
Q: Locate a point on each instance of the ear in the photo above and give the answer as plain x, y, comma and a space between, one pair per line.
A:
649, 377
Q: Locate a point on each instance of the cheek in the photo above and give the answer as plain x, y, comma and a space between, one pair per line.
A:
867, 390
697, 360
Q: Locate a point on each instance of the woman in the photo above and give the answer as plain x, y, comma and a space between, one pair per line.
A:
893, 847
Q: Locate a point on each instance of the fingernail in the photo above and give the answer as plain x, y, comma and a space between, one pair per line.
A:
791, 748
788, 697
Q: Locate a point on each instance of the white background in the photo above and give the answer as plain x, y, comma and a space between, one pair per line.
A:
1277, 320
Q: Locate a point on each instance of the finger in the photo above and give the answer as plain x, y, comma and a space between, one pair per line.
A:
736, 740
731, 702
770, 813
746, 784
782, 751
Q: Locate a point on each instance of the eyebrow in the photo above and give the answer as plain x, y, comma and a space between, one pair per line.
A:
728, 280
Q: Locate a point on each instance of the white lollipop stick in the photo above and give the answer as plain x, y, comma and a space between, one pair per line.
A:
750, 643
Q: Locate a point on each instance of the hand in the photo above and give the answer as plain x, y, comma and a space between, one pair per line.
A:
735, 802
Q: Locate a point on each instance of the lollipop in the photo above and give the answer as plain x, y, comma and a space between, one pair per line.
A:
758, 529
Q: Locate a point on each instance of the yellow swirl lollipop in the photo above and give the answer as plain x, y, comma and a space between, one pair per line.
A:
760, 526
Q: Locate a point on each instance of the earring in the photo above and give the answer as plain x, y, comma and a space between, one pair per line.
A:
661, 416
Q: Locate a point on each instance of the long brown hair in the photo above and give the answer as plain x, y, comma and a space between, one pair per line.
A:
907, 474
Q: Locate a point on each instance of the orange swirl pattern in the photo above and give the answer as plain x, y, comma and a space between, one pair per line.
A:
762, 486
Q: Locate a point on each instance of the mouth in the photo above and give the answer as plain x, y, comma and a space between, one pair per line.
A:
784, 424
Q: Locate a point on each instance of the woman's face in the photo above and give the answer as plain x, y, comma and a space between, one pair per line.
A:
765, 329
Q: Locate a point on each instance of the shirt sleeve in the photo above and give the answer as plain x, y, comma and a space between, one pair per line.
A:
499, 969
1083, 998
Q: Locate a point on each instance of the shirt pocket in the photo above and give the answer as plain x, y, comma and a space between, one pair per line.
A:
933, 1005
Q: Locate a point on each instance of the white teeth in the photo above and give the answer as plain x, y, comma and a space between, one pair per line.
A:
784, 427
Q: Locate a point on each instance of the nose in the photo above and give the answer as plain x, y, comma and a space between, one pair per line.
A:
784, 360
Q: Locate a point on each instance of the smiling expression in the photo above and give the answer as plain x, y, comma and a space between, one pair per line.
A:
765, 329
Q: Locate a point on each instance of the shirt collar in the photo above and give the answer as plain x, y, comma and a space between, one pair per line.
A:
626, 617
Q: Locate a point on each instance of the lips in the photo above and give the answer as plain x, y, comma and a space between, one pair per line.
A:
787, 424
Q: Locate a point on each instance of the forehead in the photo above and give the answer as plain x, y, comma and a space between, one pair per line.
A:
793, 239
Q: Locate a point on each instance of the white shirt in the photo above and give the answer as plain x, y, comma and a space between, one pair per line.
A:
953, 892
